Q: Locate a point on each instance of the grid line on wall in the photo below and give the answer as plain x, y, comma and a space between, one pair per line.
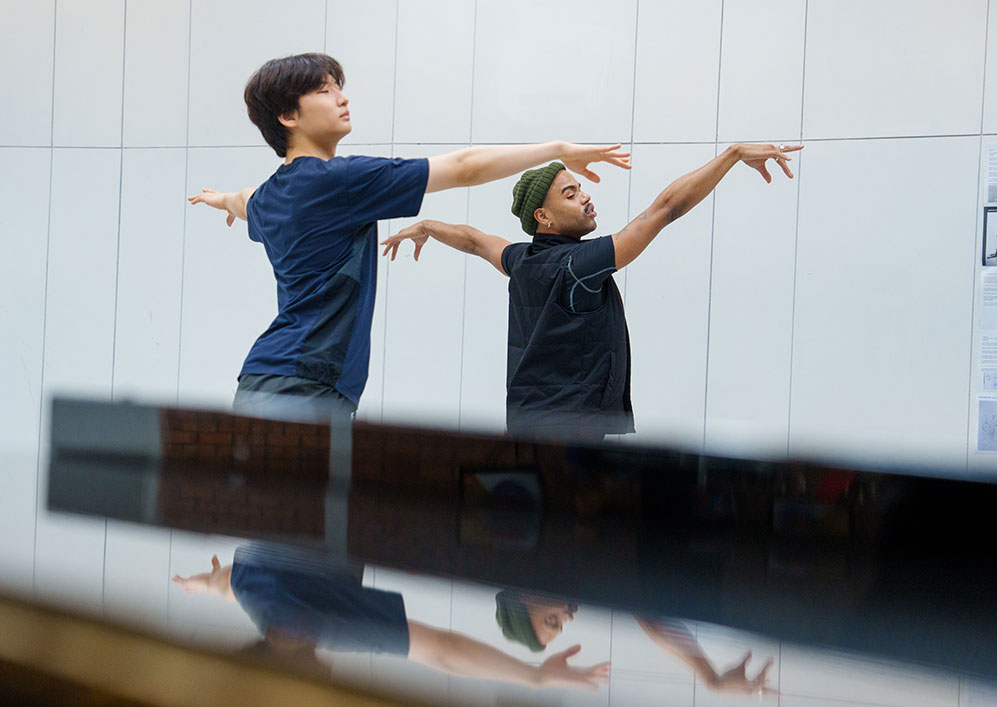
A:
387, 269
48, 242
970, 387
186, 186
121, 186
713, 233
633, 115
796, 235
467, 218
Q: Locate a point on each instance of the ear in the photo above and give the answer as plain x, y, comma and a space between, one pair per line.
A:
540, 215
289, 120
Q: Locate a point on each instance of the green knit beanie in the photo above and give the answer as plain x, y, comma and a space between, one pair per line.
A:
514, 619
529, 193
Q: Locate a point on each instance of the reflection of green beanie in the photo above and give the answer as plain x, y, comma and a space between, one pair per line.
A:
529, 193
514, 619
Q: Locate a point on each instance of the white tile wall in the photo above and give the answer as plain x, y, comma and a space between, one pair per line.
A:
89, 55
150, 267
27, 35
433, 71
362, 37
761, 76
668, 290
425, 314
751, 312
137, 574
547, 71
82, 266
24, 208
884, 288
157, 42
229, 40
677, 72
921, 76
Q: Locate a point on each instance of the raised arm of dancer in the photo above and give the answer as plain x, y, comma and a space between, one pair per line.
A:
687, 191
674, 638
464, 238
479, 164
234, 202
456, 654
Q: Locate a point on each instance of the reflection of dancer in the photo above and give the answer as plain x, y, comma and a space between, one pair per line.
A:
569, 352
299, 605
317, 219
535, 621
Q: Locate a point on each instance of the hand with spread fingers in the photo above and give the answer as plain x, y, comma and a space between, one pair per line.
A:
577, 158
736, 679
755, 156
555, 672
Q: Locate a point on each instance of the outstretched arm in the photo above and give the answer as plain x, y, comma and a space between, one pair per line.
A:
464, 238
675, 639
477, 165
456, 654
218, 581
687, 191
234, 202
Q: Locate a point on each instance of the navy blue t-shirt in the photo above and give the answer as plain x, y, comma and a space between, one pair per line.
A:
317, 220
284, 592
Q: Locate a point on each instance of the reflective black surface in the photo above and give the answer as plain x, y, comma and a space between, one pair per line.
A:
795, 561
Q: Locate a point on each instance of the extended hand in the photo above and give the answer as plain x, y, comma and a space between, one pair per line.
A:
736, 679
555, 672
204, 583
755, 157
577, 158
416, 233
217, 200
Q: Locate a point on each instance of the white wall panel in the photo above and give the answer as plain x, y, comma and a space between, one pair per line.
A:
751, 312
89, 50
27, 31
24, 205
761, 70
230, 39
157, 38
433, 71
425, 311
678, 63
137, 574
667, 303
990, 71
819, 674
18, 477
875, 68
884, 290
153, 207
361, 36
69, 560
82, 268
547, 71
229, 291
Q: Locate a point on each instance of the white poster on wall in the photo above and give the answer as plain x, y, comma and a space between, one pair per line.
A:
987, 357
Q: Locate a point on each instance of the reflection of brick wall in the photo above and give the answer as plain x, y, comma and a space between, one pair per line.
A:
231, 441
230, 474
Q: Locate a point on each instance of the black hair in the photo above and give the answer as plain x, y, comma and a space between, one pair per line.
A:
276, 86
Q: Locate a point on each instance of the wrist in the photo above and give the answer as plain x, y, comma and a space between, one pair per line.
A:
736, 151
560, 149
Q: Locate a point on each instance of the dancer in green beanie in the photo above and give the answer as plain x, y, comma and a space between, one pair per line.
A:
568, 368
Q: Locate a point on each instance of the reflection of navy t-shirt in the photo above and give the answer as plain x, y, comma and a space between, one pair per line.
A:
317, 220
324, 605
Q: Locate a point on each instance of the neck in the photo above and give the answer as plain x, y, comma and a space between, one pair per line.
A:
308, 148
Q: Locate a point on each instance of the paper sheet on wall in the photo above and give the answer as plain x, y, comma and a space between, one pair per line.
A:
987, 357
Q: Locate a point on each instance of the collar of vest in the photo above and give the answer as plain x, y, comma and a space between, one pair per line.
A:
542, 241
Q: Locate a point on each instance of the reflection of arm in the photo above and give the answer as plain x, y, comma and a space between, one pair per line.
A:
677, 640
456, 654
218, 581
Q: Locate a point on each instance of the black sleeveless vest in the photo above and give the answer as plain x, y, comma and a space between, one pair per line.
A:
567, 371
